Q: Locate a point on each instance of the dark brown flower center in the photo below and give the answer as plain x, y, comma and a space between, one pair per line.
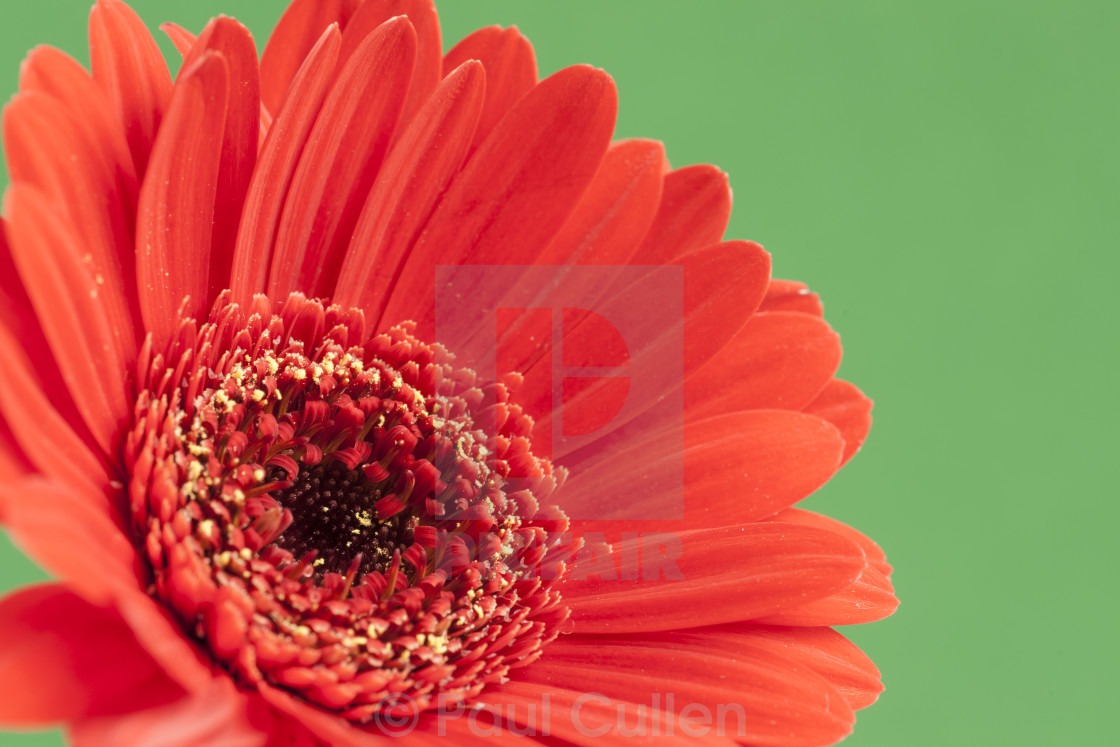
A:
334, 516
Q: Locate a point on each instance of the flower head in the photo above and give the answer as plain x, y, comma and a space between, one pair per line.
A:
370, 390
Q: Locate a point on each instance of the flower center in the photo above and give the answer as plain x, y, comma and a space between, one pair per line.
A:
334, 516
325, 512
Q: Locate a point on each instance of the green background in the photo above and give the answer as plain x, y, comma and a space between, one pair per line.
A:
946, 175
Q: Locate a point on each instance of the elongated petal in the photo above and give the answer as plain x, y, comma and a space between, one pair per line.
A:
511, 71
716, 310
416, 173
175, 218
297, 32
129, 67
63, 528
695, 208
329, 728
752, 695
845, 406
13, 462
738, 467
28, 341
343, 155
60, 155
44, 435
233, 41
279, 158
823, 650
66, 659
50, 71
780, 359
867, 599
829, 654
162, 636
790, 295
604, 228
875, 555
219, 715
721, 575
429, 48
64, 291
517, 189
615, 213
183, 40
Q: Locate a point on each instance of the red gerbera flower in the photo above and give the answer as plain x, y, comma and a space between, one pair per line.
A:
282, 512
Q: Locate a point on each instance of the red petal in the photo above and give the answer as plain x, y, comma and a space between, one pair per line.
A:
517, 189
429, 63
738, 467
32, 415
129, 67
56, 74
846, 407
50, 71
416, 173
161, 635
753, 695
61, 156
875, 555
67, 659
18, 317
340, 162
780, 359
790, 295
63, 528
298, 30
511, 71
329, 728
176, 212
823, 650
13, 462
785, 457
46, 438
218, 715
64, 292
723, 285
233, 41
616, 211
695, 208
869, 598
722, 575
604, 228
279, 157
182, 39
